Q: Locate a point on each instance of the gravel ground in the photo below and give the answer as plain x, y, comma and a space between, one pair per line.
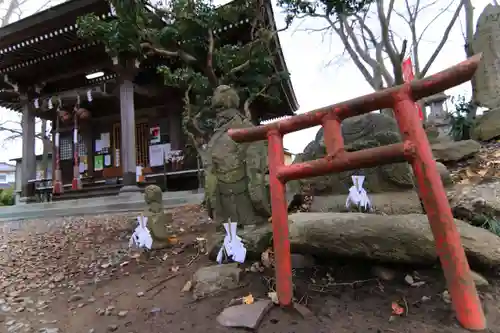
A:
77, 275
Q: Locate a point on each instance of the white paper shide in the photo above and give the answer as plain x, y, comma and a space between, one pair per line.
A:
141, 237
357, 195
232, 245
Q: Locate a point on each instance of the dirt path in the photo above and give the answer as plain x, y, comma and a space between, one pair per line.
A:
76, 275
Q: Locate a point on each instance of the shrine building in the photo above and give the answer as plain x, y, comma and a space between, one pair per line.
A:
127, 129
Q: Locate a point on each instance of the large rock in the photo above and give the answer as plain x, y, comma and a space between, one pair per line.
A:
451, 151
393, 239
390, 203
361, 132
445, 174
487, 80
487, 126
477, 203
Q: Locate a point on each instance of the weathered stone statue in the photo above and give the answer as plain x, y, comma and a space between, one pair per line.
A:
159, 222
236, 179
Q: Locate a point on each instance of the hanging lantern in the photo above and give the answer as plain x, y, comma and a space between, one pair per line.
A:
64, 115
83, 113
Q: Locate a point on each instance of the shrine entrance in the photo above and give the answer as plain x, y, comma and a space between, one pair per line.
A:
141, 147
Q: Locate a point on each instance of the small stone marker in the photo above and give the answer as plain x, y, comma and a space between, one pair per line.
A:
245, 315
213, 279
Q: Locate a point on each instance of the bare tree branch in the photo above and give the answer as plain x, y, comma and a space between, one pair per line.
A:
438, 15
443, 39
371, 53
393, 56
354, 56
13, 5
379, 65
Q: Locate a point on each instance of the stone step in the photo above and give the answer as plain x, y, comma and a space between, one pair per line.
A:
89, 192
93, 206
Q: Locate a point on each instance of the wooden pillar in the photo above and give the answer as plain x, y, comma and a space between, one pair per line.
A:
76, 184
58, 187
89, 142
53, 156
28, 165
128, 146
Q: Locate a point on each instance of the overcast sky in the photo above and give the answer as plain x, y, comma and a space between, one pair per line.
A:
315, 82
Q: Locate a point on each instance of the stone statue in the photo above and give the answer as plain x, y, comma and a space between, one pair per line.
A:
159, 222
236, 180
486, 41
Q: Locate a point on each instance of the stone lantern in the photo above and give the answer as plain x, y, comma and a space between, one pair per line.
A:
438, 120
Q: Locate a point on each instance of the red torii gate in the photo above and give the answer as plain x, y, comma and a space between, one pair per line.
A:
415, 149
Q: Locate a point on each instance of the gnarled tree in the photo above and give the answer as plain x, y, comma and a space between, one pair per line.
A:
189, 33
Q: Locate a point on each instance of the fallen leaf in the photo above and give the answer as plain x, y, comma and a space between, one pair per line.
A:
248, 299
187, 287
174, 268
397, 309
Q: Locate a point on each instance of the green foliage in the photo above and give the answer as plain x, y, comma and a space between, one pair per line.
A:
7, 197
329, 8
197, 55
487, 221
461, 123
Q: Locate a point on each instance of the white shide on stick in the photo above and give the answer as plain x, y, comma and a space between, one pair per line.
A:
232, 245
141, 237
357, 195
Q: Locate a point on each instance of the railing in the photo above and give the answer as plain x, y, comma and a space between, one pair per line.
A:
415, 149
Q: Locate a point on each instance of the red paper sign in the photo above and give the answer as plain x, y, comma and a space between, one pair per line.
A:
154, 133
408, 76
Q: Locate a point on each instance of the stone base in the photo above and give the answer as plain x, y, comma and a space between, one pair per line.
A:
26, 200
128, 189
